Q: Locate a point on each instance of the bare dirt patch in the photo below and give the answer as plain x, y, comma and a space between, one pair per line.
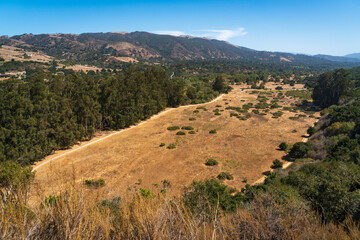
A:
134, 158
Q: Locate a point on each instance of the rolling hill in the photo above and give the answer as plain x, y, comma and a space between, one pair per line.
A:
353, 55
347, 58
101, 49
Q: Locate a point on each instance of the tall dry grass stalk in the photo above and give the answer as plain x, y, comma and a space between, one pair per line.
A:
82, 213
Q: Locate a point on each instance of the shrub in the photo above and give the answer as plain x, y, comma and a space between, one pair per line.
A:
255, 111
218, 106
261, 105
94, 183
213, 131
293, 118
234, 115
195, 111
277, 114
275, 105
206, 196
146, 193
279, 88
192, 119
187, 128
211, 162
283, 146
162, 144
180, 133
171, 146
217, 114
299, 150
276, 164
173, 128
311, 131
203, 108
225, 176
340, 128
192, 132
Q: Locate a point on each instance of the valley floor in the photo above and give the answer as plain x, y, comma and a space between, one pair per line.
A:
134, 159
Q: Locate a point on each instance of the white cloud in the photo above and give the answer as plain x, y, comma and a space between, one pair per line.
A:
224, 34
219, 34
172, 33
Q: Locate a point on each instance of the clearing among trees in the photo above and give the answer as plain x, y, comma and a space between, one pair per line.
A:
245, 145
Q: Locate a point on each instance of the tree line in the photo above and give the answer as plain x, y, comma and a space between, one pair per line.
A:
47, 111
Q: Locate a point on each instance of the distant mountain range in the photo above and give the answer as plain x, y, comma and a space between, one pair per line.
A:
105, 48
353, 55
350, 58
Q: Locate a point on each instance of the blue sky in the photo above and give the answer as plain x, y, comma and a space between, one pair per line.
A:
299, 26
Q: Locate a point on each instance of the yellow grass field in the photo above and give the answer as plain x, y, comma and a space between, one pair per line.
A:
134, 159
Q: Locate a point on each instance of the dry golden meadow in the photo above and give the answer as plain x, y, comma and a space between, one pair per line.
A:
134, 158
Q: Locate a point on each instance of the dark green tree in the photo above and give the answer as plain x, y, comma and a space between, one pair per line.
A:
331, 87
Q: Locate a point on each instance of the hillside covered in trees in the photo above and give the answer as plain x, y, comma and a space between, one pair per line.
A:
111, 49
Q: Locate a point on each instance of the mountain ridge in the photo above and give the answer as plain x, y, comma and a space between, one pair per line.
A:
104, 48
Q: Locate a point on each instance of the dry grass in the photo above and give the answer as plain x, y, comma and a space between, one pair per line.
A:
246, 148
80, 214
9, 52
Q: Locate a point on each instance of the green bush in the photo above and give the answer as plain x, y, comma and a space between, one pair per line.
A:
261, 105
218, 106
277, 114
213, 131
187, 128
311, 131
203, 108
275, 105
146, 193
234, 115
283, 146
173, 128
205, 197
293, 118
276, 164
225, 176
192, 119
340, 128
192, 132
211, 162
171, 146
162, 144
217, 114
195, 111
180, 133
94, 183
299, 150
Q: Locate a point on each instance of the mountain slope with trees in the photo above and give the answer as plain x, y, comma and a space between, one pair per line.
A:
102, 49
